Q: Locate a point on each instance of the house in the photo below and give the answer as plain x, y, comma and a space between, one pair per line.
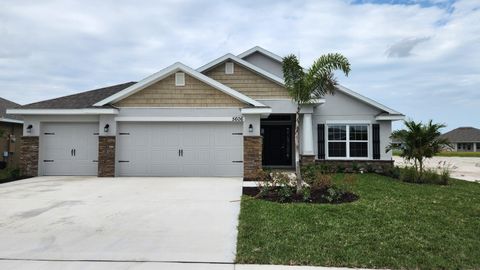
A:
230, 117
10, 132
464, 139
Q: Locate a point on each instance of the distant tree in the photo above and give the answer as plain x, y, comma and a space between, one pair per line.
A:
304, 86
419, 142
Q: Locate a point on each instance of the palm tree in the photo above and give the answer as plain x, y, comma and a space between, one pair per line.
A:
305, 86
420, 141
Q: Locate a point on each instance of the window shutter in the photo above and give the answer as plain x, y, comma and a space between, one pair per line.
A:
321, 141
376, 141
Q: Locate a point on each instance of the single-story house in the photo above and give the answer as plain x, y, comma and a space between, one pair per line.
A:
10, 131
464, 139
229, 117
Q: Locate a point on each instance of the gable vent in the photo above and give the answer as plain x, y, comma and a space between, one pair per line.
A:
179, 79
229, 68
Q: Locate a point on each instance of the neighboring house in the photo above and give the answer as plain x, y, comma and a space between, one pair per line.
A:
11, 127
464, 139
229, 117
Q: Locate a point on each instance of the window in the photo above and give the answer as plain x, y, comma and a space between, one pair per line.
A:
179, 79
465, 146
229, 68
348, 141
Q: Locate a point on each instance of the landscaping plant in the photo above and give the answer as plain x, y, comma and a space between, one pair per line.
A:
306, 85
420, 141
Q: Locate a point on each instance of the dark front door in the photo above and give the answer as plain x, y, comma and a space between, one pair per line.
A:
277, 145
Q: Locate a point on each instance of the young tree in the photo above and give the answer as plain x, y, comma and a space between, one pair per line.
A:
420, 141
304, 86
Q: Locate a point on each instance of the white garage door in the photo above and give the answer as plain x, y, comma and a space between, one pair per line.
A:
69, 149
180, 149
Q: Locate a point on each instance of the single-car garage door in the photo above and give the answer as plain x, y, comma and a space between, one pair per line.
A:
69, 149
180, 149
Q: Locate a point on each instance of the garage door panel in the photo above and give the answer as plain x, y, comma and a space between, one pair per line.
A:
57, 142
208, 149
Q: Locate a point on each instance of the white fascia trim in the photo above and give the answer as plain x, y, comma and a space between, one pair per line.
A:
61, 111
256, 110
172, 119
9, 120
390, 117
168, 71
261, 50
372, 102
244, 63
333, 122
318, 101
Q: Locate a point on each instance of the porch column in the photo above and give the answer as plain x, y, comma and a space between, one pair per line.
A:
307, 134
308, 156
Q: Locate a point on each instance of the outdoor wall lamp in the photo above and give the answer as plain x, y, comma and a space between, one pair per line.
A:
29, 129
107, 126
250, 128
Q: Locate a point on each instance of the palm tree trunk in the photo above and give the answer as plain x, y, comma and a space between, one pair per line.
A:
297, 151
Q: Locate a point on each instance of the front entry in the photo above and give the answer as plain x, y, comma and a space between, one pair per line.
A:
277, 142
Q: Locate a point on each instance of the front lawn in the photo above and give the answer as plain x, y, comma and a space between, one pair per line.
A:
393, 225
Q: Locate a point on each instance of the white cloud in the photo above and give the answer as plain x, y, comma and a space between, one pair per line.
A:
52, 48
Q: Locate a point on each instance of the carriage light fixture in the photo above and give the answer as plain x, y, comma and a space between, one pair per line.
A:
250, 128
29, 129
107, 126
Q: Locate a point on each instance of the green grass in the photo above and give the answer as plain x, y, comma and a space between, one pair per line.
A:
393, 225
448, 154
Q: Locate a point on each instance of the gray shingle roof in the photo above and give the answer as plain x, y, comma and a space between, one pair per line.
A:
80, 100
463, 134
7, 104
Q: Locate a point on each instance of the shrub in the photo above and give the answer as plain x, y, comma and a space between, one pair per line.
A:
408, 174
321, 181
429, 175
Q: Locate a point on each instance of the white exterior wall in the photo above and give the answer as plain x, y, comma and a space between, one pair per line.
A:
36, 121
343, 109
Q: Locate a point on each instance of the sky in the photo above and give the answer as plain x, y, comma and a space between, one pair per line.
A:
421, 58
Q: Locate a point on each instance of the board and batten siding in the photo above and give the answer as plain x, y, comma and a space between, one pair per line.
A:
164, 93
248, 82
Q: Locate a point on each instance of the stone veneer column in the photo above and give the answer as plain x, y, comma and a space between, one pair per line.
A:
106, 156
307, 159
29, 156
252, 156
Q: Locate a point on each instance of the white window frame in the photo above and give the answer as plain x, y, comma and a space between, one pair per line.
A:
347, 141
179, 78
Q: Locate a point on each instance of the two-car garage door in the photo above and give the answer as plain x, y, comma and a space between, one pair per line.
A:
145, 149
179, 149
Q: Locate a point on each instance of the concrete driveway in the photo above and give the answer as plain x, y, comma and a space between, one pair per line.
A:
120, 219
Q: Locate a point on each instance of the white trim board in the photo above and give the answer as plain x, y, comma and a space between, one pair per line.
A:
9, 120
243, 63
172, 119
262, 51
167, 72
61, 111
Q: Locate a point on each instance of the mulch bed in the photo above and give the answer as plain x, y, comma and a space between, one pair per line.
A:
316, 196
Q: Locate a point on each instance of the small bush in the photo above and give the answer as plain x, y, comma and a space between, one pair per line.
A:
321, 181
408, 174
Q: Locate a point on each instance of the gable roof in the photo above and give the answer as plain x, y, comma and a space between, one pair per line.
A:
340, 88
167, 72
244, 63
463, 134
78, 101
263, 51
7, 104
